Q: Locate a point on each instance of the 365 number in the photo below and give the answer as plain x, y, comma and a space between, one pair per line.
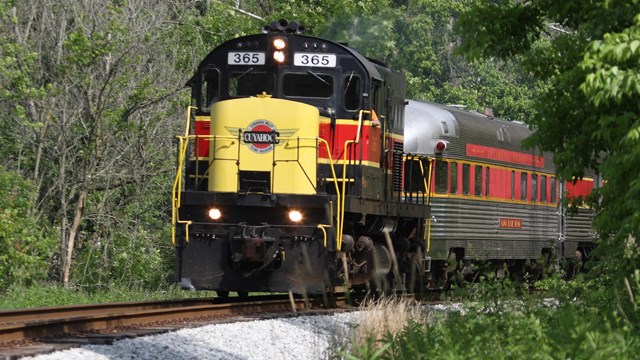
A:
314, 60
246, 58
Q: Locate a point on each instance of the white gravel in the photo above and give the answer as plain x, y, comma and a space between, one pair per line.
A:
303, 337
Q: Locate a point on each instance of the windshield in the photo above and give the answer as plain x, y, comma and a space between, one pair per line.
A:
310, 85
250, 83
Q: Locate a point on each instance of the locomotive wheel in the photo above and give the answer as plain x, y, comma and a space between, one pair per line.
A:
222, 294
243, 294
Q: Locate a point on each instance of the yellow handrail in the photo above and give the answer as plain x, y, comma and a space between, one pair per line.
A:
177, 184
344, 179
335, 183
427, 228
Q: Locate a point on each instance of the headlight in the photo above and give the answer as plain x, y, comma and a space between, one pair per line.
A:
295, 215
278, 56
215, 214
279, 43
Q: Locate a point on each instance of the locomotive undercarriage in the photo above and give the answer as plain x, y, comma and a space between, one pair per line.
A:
248, 257
263, 258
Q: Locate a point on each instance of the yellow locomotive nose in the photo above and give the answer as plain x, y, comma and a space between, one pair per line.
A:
263, 144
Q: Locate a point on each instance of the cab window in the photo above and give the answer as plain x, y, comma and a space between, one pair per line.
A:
251, 84
310, 85
210, 91
351, 92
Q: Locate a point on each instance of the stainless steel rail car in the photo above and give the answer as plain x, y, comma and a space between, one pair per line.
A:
491, 199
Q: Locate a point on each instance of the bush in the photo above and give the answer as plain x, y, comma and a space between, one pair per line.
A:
513, 331
26, 244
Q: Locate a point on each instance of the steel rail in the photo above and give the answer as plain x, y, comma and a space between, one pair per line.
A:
55, 312
64, 320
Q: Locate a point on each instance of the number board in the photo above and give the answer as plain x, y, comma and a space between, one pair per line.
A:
314, 59
246, 58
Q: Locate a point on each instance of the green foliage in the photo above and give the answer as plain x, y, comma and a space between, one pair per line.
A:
26, 244
42, 295
509, 330
510, 26
131, 248
588, 53
418, 38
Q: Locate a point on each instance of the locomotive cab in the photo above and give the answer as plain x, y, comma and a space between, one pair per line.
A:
285, 65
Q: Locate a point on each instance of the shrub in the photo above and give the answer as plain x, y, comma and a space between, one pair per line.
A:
514, 329
26, 243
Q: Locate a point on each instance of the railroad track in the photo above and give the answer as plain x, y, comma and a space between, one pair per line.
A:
80, 324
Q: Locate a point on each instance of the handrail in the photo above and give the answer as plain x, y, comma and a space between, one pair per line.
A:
335, 183
427, 228
176, 196
177, 186
344, 177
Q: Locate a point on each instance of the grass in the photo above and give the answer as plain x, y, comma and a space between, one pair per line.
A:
490, 327
54, 295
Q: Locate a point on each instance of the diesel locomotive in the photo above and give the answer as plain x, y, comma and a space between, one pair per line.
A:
304, 169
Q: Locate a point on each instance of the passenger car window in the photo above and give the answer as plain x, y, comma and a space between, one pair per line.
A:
513, 185
453, 189
523, 186
487, 181
477, 191
466, 174
441, 176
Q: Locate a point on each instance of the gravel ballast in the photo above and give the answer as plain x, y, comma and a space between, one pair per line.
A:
302, 337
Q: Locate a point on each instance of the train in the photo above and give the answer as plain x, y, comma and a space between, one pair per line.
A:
304, 169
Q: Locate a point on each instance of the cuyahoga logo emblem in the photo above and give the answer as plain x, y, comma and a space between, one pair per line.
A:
261, 135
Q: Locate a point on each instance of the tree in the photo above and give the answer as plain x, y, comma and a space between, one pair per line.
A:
98, 115
417, 38
588, 116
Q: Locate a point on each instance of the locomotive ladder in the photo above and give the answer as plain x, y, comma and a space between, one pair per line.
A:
176, 196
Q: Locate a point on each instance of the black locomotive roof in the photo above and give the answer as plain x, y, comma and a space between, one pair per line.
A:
218, 54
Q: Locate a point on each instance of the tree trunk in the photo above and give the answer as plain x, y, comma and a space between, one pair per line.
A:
72, 237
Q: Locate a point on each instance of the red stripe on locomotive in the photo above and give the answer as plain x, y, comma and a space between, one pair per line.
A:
367, 150
201, 148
